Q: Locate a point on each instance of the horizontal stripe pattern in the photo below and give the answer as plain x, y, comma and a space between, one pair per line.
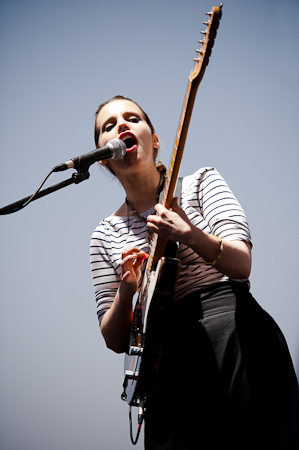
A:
209, 204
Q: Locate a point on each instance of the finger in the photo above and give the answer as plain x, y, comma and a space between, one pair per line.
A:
174, 204
130, 250
150, 217
137, 264
129, 261
142, 255
161, 210
177, 209
126, 276
152, 226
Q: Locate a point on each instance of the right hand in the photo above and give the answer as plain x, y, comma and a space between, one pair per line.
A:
132, 259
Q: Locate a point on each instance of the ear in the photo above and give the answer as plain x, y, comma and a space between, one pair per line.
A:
156, 143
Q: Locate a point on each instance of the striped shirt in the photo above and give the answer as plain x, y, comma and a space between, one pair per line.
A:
209, 204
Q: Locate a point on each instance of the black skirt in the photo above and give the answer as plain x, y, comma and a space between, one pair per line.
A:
226, 377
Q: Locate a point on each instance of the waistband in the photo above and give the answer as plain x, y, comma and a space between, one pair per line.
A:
220, 297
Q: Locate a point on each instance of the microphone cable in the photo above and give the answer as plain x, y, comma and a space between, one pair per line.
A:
37, 190
12, 209
76, 178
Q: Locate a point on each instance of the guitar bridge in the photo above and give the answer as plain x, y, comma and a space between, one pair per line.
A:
130, 376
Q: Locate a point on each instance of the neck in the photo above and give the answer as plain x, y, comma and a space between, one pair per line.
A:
141, 190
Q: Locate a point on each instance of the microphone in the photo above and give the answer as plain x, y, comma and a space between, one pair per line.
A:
114, 149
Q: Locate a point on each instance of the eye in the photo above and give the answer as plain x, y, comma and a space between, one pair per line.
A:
108, 127
134, 119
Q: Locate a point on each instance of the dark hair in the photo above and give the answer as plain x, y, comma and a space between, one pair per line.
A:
160, 167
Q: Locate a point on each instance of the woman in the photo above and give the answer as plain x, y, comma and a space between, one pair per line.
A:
226, 376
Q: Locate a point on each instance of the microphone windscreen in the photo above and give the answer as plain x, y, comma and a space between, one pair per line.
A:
119, 148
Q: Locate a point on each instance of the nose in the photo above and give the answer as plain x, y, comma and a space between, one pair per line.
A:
122, 127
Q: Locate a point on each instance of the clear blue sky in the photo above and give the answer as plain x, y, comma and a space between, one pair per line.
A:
59, 386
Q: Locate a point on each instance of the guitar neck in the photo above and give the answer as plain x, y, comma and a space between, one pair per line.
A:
177, 153
158, 243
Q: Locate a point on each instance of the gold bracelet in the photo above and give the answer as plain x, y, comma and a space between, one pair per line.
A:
219, 255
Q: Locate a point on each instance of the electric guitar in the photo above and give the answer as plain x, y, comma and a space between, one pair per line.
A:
159, 279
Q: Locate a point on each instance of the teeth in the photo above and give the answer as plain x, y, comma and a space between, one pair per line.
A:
127, 136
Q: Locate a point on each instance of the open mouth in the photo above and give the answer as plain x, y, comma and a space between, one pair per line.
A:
130, 141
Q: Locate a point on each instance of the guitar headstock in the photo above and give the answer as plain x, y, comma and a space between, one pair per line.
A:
202, 60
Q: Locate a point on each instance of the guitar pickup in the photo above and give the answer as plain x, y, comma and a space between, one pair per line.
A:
135, 351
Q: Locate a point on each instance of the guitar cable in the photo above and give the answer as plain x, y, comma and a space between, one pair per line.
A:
140, 420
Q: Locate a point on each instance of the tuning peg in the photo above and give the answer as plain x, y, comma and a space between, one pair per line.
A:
199, 51
206, 23
209, 13
196, 59
204, 32
201, 41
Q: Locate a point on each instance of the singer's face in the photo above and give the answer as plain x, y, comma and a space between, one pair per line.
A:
123, 119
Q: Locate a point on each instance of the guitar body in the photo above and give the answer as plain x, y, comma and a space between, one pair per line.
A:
148, 329
152, 307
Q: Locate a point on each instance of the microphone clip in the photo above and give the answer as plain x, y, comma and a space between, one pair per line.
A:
81, 175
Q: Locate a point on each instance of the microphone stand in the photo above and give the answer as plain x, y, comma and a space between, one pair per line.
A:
75, 179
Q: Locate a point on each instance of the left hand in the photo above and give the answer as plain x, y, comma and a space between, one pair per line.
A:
172, 224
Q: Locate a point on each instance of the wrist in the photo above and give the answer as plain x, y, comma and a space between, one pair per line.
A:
209, 247
192, 236
126, 292
218, 257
